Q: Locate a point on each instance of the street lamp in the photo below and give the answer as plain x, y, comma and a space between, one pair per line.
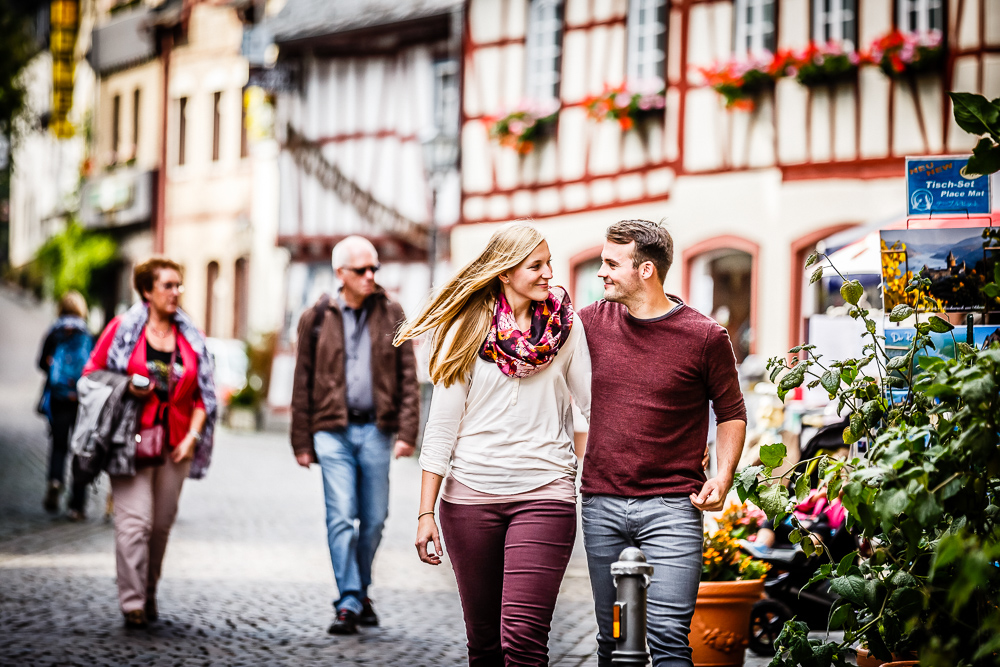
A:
440, 157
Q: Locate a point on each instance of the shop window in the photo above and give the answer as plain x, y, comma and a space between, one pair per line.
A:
647, 43
216, 125
116, 120
836, 21
920, 15
182, 104
587, 287
544, 50
241, 283
756, 29
136, 98
212, 279
721, 286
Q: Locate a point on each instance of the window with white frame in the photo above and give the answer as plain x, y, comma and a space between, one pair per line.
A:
920, 15
446, 96
836, 21
647, 43
544, 50
756, 31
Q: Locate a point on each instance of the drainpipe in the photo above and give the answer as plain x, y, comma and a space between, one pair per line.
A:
631, 573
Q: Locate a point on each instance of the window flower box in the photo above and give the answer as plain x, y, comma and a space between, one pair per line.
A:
626, 107
901, 54
742, 81
826, 64
523, 128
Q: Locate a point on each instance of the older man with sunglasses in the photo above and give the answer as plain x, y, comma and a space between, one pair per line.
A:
353, 393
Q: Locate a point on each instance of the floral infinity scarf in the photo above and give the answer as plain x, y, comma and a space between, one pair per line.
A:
519, 354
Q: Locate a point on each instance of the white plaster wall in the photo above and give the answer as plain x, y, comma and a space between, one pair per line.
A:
753, 205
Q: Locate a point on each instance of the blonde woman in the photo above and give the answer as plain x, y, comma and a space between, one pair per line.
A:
507, 354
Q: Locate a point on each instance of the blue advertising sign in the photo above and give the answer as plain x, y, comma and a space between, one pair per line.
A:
936, 185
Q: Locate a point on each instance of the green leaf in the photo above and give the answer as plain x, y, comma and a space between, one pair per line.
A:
899, 362
816, 275
849, 437
852, 291
773, 499
746, 481
812, 259
978, 389
906, 602
773, 455
857, 424
928, 510
844, 566
795, 536
975, 114
850, 587
900, 313
831, 382
802, 487
985, 159
839, 616
791, 380
939, 325
808, 547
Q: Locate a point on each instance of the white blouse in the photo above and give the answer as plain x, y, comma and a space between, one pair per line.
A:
504, 435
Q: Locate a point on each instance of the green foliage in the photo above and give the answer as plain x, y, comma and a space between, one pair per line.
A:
67, 260
979, 116
925, 500
16, 50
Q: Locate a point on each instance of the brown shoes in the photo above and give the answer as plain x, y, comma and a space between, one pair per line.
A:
136, 620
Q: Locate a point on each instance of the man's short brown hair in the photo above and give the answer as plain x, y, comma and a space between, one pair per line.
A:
145, 274
653, 243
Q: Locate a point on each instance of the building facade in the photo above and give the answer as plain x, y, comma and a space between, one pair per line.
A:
371, 86
746, 194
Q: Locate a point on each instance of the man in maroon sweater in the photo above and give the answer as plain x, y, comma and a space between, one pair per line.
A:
657, 363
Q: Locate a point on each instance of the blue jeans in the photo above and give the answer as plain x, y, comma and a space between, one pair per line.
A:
669, 532
355, 465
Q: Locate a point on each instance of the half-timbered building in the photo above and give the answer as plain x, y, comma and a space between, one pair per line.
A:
746, 193
373, 83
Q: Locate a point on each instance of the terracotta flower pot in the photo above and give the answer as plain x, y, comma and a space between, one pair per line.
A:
866, 659
720, 629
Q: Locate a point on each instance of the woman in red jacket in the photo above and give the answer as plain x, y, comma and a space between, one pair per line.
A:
156, 340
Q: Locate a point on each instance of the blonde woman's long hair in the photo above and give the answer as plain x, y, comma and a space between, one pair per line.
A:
461, 312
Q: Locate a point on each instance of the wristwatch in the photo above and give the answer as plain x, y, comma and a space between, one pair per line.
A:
195, 434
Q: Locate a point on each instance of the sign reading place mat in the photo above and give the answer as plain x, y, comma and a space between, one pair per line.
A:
936, 185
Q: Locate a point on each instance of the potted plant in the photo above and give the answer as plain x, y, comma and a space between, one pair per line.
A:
826, 64
901, 54
924, 498
731, 582
626, 107
742, 81
522, 128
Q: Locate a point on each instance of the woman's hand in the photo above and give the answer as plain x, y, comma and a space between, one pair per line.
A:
184, 450
427, 532
141, 394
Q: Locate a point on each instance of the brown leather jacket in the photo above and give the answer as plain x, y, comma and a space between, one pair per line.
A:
319, 395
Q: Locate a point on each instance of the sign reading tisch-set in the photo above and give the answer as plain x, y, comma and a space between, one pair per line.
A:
935, 185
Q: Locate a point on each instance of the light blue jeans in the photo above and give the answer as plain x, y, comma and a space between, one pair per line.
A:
669, 532
355, 465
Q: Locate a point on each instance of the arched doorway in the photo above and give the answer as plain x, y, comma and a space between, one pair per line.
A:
720, 280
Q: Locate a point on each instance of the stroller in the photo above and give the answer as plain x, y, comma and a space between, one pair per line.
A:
791, 569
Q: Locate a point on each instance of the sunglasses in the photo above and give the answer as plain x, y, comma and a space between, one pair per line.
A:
362, 270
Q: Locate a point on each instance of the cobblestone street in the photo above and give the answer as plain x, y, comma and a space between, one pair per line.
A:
247, 578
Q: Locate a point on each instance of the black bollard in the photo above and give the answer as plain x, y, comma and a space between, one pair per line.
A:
631, 574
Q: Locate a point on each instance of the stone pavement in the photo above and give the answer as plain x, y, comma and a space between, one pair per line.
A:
247, 577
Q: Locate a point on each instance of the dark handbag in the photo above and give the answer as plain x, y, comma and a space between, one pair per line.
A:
149, 441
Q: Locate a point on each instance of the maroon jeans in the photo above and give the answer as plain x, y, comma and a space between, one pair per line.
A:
509, 560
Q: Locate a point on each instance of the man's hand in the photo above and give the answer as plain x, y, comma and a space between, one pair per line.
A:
712, 497
404, 449
305, 459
